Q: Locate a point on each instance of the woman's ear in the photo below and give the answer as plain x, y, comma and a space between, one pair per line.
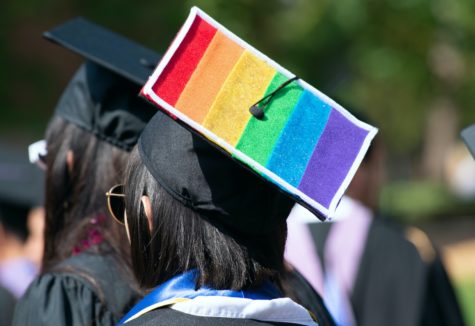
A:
147, 205
70, 161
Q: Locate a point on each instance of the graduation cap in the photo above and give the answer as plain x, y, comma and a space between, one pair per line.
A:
259, 114
102, 96
21, 188
468, 136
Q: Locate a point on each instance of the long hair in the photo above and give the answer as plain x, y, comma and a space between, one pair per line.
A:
75, 196
181, 240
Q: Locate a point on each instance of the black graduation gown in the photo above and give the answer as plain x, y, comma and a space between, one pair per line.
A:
86, 289
393, 285
208, 309
170, 317
7, 306
440, 303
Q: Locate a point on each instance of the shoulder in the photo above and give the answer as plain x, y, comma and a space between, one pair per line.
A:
81, 289
105, 276
171, 317
394, 239
49, 285
64, 298
422, 243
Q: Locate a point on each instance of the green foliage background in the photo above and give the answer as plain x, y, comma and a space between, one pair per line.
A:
373, 55
389, 59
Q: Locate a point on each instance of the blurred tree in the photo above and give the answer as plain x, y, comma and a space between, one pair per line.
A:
407, 64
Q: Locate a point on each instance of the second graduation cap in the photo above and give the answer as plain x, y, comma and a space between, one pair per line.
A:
259, 113
102, 97
106, 48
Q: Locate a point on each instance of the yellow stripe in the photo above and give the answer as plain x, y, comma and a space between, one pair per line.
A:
206, 81
156, 306
245, 85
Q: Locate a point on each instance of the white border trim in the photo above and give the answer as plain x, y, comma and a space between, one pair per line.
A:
147, 90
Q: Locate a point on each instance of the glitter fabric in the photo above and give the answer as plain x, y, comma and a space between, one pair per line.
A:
184, 62
297, 138
229, 113
259, 138
323, 177
209, 76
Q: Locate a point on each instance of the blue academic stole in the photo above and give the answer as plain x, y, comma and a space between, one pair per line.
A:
182, 287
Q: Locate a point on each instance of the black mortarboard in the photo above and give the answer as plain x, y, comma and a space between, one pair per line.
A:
102, 96
259, 113
21, 188
106, 48
468, 136
203, 178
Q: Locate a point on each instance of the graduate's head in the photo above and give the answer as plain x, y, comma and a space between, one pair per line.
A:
97, 121
287, 137
189, 206
88, 142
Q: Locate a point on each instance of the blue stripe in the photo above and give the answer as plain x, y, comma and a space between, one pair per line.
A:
299, 137
183, 286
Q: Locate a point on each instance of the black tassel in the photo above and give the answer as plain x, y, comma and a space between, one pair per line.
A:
258, 110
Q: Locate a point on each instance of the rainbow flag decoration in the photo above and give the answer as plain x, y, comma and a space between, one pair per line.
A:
306, 143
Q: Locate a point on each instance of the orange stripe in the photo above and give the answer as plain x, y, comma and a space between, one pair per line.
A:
208, 77
244, 86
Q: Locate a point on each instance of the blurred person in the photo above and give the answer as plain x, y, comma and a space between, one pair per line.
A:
21, 187
16, 269
85, 277
369, 271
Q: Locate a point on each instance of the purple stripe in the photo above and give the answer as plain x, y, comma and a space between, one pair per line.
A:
332, 158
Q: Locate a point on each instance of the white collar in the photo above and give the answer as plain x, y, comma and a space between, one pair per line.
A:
276, 310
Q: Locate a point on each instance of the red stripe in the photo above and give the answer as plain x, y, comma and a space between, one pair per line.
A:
178, 71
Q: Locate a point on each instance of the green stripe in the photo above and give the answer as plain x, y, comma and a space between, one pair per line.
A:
259, 136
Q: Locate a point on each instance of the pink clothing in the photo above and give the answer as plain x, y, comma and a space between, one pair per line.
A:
300, 251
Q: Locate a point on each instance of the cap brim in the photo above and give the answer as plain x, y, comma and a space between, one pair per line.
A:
468, 136
106, 48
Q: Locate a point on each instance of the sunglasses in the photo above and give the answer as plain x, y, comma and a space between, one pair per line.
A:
115, 202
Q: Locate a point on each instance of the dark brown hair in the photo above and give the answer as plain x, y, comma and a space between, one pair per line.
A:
181, 240
74, 197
